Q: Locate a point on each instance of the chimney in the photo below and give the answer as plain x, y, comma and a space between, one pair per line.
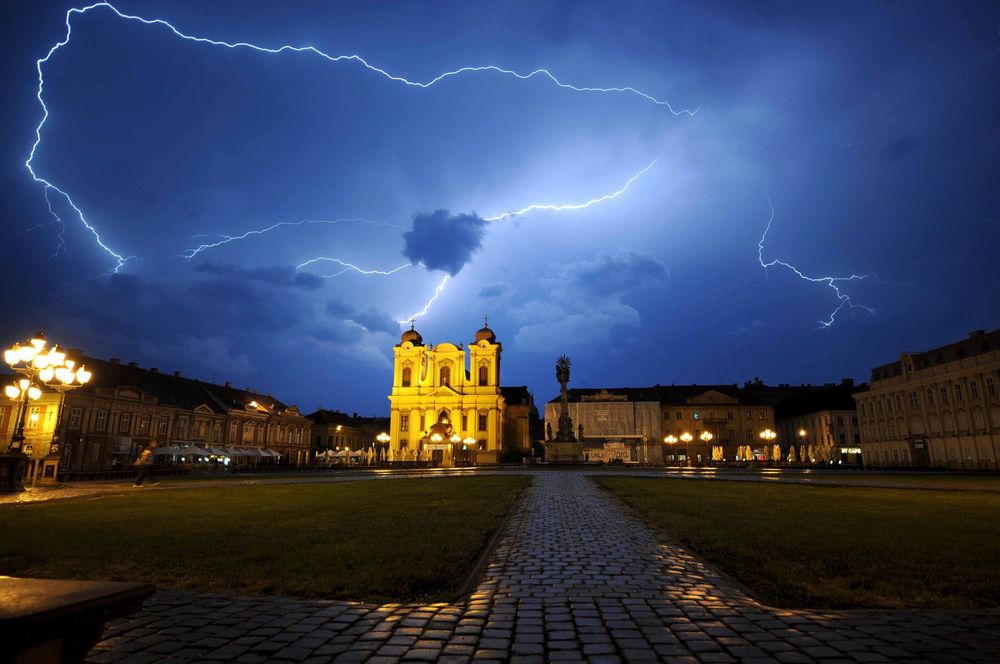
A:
177, 374
133, 364
114, 360
154, 370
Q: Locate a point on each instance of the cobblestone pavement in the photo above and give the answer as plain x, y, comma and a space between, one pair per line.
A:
573, 578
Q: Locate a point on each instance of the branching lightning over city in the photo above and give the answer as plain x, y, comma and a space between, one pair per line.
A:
224, 239
843, 299
224, 188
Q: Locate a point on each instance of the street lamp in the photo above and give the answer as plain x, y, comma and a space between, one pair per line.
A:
706, 437
670, 440
382, 438
39, 370
469, 441
686, 437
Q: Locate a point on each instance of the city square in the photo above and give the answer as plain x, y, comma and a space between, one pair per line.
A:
527, 332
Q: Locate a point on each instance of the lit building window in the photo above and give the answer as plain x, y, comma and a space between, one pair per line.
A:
34, 415
125, 423
143, 425
404, 422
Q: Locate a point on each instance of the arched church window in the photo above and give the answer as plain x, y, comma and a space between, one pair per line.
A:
484, 375
407, 374
445, 376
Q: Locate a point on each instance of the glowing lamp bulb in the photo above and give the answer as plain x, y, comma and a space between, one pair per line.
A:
34, 393
41, 361
82, 375
46, 374
12, 355
38, 341
12, 391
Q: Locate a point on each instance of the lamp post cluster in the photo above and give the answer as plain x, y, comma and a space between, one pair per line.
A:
39, 369
706, 437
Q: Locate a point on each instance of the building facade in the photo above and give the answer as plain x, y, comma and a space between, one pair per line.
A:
935, 408
819, 424
334, 430
723, 422
110, 420
447, 407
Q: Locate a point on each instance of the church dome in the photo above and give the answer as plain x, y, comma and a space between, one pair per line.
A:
412, 336
486, 334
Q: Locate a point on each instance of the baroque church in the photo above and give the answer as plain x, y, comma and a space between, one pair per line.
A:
448, 407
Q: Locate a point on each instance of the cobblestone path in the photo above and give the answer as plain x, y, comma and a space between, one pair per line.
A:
574, 578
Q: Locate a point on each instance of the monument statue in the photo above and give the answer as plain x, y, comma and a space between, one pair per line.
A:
565, 429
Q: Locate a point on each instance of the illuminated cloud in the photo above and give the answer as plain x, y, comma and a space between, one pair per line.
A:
584, 304
443, 241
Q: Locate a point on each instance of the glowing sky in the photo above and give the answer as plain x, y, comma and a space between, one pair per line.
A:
284, 211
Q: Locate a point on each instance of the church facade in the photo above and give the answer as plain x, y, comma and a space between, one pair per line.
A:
447, 405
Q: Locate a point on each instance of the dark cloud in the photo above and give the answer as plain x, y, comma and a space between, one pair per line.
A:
616, 273
338, 308
899, 148
374, 320
442, 241
275, 275
491, 291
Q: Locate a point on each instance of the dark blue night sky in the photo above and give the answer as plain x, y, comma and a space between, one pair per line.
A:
874, 128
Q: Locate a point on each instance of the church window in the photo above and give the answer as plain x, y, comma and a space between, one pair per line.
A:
445, 375
404, 422
484, 375
422, 423
465, 422
482, 422
407, 376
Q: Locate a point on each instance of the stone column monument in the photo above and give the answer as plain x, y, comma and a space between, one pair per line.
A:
565, 448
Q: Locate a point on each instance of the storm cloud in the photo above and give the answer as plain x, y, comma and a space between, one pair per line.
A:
443, 241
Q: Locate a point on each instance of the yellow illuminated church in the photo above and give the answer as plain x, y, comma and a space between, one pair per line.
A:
446, 410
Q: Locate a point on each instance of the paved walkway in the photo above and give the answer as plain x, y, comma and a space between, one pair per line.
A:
573, 578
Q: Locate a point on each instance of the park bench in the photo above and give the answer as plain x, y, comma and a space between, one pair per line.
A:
46, 621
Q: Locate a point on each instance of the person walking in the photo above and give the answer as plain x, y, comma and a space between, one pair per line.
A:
145, 464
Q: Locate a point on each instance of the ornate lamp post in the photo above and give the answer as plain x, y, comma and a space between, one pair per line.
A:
686, 438
768, 436
671, 440
39, 370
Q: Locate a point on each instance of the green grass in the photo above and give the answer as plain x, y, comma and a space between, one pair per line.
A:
950, 480
374, 540
826, 547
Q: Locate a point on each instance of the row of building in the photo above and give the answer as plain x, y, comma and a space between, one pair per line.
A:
936, 408
447, 405
107, 422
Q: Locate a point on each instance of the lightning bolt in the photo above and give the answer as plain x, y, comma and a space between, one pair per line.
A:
226, 239
940, 101
574, 206
427, 307
843, 300
120, 260
348, 267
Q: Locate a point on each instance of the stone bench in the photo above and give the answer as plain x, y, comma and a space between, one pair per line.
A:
43, 621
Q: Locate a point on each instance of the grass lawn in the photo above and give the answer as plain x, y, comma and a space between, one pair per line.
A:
389, 540
826, 547
951, 480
